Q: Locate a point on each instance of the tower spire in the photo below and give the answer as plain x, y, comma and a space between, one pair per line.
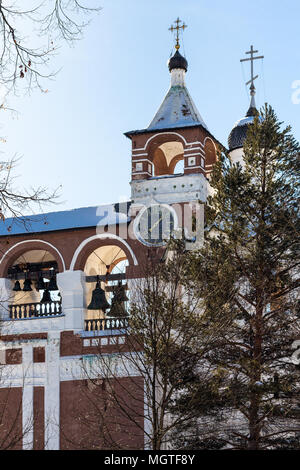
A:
177, 28
252, 109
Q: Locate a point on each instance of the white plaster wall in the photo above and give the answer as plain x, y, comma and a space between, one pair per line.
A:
5, 297
71, 285
169, 190
237, 156
177, 77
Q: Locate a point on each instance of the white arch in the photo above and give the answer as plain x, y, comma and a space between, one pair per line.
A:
31, 241
209, 138
101, 236
163, 133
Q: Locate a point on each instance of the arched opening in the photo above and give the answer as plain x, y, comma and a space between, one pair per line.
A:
166, 157
105, 267
34, 291
179, 167
210, 155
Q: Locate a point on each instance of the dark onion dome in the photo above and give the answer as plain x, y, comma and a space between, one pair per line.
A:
177, 62
252, 111
238, 134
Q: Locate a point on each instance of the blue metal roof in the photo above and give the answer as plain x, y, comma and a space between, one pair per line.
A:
63, 220
177, 110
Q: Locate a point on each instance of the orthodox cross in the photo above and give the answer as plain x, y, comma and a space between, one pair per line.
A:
177, 28
252, 59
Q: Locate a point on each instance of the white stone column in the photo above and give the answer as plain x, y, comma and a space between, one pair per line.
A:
27, 398
71, 285
5, 297
52, 391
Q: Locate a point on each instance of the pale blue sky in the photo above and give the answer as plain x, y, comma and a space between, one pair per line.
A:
116, 77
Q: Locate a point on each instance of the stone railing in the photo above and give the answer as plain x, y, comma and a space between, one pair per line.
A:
106, 324
35, 310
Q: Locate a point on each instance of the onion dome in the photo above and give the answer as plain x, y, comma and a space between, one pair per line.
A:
177, 108
178, 62
238, 134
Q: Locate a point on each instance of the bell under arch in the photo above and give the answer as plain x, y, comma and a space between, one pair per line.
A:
31, 274
109, 263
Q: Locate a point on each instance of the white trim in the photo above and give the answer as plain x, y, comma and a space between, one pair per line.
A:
194, 148
196, 142
193, 167
20, 343
31, 241
101, 236
193, 154
163, 133
141, 155
211, 141
52, 392
142, 160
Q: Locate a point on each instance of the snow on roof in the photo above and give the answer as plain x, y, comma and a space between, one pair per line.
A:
243, 121
177, 110
108, 214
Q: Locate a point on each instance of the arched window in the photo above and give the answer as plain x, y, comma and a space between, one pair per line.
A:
166, 157
210, 155
109, 263
34, 289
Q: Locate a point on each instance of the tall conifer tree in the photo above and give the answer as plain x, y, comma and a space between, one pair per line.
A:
248, 272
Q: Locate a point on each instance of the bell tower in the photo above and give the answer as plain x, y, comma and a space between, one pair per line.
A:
173, 157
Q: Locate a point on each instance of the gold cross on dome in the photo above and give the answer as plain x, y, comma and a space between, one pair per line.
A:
177, 28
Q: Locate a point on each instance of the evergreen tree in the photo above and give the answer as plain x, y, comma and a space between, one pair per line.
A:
248, 273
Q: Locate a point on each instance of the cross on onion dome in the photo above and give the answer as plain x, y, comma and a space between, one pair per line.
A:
252, 87
177, 28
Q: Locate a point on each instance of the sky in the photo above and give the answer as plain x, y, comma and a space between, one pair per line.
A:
115, 78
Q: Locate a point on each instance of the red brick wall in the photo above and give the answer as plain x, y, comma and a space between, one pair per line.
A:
91, 417
13, 356
38, 418
11, 419
39, 354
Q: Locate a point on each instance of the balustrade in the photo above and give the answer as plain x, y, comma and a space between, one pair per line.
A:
35, 310
106, 324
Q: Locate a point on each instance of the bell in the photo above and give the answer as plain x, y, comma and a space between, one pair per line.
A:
117, 309
46, 297
27, 285
52, 284
117, 303
120, 292
98, 301
40, 284
17, 286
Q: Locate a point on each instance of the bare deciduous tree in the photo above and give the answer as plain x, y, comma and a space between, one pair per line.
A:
163, 351
30, 36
